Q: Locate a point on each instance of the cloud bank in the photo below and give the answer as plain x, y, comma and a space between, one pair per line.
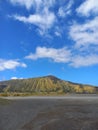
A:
57, 55
82, 29
88, 7
44, 16
85, 34
64, 55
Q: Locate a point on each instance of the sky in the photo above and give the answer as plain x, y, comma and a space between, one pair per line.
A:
49, 37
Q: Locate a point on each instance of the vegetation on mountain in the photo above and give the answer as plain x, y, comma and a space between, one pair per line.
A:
43, 85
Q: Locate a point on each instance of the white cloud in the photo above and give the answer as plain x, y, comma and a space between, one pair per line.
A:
57, 33
10, 64
37, 4
14, 78
57, 55
63, 55
88, 7
69, 5
85, 34
65, 10
44, 21
42, 17
61, 12
27, 3
82, 61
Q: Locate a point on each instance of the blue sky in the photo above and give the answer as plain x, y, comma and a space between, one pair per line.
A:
49, 37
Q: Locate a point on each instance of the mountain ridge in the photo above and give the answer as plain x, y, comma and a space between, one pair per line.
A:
50, 76
45, 84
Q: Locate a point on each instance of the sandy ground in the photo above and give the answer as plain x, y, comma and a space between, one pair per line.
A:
50, 113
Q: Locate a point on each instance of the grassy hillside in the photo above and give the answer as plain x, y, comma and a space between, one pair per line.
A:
47, 84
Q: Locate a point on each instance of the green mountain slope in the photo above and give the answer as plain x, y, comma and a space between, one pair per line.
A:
46, 84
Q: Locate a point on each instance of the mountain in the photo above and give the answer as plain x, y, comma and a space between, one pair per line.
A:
46, 84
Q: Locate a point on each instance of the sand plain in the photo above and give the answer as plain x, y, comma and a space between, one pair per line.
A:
73, 112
